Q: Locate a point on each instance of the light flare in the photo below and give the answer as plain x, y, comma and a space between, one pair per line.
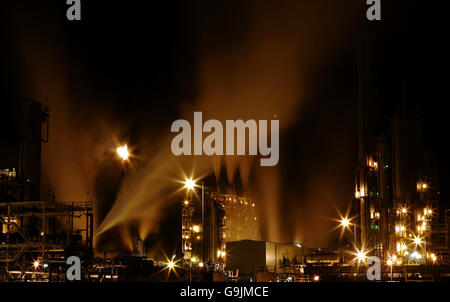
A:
123, 152
345, 222
189, 184
361, 256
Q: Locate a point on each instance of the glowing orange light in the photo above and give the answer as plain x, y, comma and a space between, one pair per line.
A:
221, 253
433, 257
123, 152
170, 265
361, 255
422, 186
189, 184
345, 222
417, 240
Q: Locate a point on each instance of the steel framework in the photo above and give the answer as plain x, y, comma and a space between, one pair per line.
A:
27, 233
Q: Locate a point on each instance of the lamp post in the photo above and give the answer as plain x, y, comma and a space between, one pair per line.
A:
190, 185
203, 222
187, 221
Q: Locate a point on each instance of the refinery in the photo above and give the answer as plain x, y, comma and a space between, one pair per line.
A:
316, 153
220, 236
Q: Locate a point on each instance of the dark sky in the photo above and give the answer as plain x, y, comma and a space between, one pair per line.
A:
136, 65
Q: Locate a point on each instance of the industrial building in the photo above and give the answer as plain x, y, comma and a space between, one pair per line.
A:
223, 218
396, 216
258, 256
396, 210
37, 235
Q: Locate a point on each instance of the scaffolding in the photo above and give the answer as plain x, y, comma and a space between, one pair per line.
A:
34, 231
187, 230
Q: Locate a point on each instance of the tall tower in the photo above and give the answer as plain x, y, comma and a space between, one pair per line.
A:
361, 171
371, 154
30, 147
187, 230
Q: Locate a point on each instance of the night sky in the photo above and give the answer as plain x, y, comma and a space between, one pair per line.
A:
132, 69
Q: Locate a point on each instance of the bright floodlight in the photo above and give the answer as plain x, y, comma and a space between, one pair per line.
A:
433, 257
189, 184
123, 152
345, 222
36, 264
361, 256
221, 254
417, 240
170, 264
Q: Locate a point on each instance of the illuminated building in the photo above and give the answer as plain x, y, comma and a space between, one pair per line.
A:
396, 177
228, 217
